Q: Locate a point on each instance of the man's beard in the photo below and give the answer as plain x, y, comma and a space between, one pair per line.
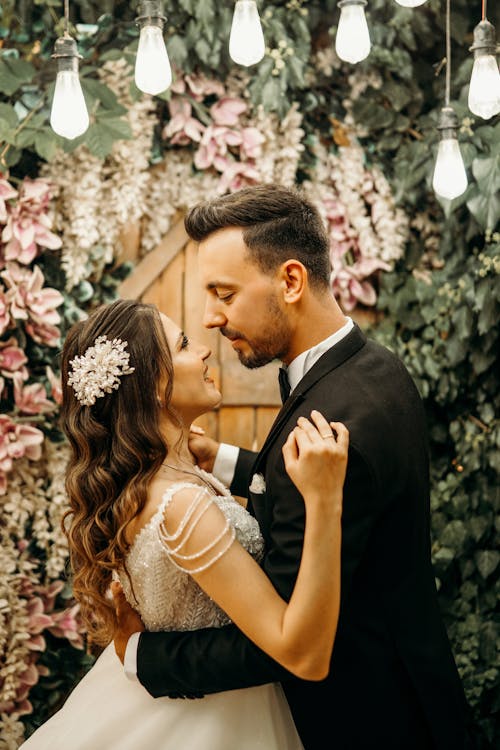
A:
274, 346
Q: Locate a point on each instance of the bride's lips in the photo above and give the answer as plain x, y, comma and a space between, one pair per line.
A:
206, 377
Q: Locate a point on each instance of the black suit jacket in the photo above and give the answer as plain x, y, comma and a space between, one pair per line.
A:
393, 683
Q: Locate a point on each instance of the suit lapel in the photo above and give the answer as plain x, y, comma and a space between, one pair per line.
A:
331, 359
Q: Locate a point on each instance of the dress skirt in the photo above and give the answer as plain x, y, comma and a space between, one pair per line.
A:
108, 711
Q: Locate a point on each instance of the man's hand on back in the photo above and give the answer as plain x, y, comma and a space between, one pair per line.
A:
128, 621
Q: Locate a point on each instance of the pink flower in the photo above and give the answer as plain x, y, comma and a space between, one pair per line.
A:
6, 193
237, 175
214, 144
252, 140
12, 359
5, 319
32, 399
227, 111
67, 625
38, 620
28, 225
55, 385
201, 87
16, 441
352, 285
33, 303
182, 127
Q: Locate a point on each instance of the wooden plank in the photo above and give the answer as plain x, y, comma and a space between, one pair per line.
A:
264, 418
129, 242
210, 423
152, 265
258, 387
170, 287
237, 426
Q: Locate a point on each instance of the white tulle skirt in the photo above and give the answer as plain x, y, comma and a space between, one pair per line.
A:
107, 711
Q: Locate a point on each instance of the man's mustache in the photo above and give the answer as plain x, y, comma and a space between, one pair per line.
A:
231, 334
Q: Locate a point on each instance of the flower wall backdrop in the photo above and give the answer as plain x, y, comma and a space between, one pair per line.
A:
361, 141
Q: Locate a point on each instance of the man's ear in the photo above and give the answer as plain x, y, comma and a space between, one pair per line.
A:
294, 280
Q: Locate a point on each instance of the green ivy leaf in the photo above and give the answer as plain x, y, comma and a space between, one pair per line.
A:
46, 144
14, 73
485, 204
487, 561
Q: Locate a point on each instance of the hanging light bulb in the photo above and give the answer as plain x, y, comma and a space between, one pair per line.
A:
484, 89
246, 41
411, 3
68, 116
352, 42
153, 73
449, 180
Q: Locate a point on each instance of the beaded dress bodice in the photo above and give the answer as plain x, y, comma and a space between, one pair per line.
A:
167, 597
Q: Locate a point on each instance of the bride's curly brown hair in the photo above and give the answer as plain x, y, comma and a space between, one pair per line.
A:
116, 448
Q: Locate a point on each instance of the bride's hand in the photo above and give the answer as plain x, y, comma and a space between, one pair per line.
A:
316, 458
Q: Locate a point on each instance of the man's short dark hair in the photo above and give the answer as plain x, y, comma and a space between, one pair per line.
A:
278, 223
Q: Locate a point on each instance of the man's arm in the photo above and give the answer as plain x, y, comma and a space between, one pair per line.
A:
195, 663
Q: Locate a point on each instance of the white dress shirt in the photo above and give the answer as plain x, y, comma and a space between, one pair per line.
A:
227, 455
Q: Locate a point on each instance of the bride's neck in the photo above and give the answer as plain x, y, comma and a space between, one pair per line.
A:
176, 440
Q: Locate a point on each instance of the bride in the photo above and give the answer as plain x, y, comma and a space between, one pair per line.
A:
185, 552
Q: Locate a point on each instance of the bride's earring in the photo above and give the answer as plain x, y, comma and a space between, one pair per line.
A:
160, 402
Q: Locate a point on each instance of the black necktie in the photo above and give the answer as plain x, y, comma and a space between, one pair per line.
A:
284, 384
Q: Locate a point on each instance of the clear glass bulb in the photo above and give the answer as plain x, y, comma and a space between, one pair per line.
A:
153, 73
411, 3
450, 179
352, 42
68, 116
484, 89
246, 41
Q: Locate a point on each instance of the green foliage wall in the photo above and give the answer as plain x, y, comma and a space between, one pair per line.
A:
439, 309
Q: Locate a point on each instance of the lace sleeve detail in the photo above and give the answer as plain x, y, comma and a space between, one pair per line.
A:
194, 532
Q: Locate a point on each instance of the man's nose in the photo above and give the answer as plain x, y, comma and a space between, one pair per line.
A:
213, 317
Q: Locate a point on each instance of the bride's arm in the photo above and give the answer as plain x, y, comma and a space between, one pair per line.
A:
300, 634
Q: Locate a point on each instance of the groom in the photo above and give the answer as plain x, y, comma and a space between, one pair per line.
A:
393, 683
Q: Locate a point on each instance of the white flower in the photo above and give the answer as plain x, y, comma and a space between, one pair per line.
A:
99, 370
258, 485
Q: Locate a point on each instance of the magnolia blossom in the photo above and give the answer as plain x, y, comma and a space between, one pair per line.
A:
55, 385
351, 283
227, 111
7, 192
28, 224
5, 301
198, 86
32, 399
236, 175
13, 359
33, 303
183, 127
16, 441
67, 624
251, 143
216, 141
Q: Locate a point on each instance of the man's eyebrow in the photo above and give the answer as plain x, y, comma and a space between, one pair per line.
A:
219, 285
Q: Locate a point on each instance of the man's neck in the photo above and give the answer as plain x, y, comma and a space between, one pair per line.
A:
314, 326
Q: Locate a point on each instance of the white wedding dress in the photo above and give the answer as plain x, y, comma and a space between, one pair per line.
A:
108, 711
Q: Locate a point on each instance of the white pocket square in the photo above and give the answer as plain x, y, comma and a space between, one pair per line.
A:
258, 484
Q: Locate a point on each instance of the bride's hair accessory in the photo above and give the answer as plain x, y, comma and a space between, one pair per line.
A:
99, 370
